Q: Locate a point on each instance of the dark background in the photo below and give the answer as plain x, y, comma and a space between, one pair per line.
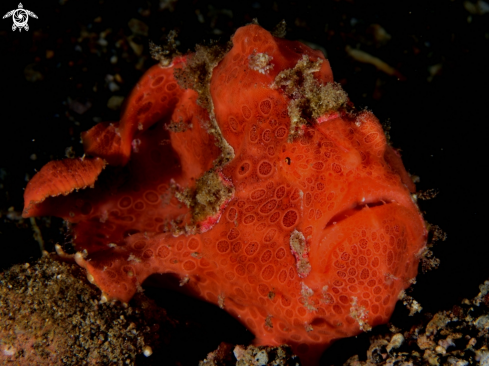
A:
54, 85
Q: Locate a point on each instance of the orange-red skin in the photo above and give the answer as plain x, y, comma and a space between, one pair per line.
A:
339, 186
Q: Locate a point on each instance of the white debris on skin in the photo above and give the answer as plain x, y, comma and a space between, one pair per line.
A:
360, 314
300, 250
308, 327
260, 62
184, 280
306, 300
133, 258
327, 298
220, 301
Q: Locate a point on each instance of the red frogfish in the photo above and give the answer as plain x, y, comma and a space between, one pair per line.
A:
246, 172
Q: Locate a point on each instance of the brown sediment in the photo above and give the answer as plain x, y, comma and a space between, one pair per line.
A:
50, 315
459, 336
227, 355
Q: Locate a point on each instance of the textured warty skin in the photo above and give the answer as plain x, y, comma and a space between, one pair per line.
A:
259, 186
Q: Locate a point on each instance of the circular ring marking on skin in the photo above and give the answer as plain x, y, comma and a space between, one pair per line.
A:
290, 218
